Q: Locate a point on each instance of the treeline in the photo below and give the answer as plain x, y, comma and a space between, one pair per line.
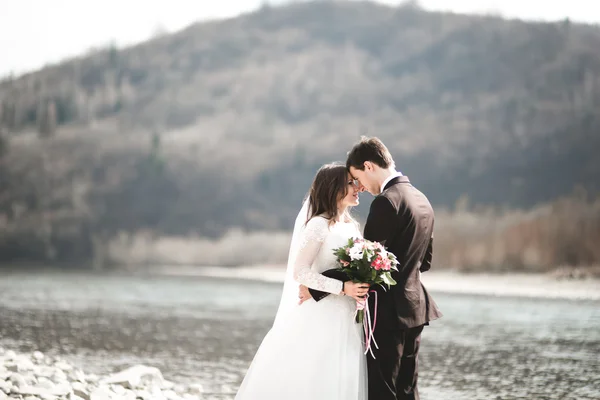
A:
221, 126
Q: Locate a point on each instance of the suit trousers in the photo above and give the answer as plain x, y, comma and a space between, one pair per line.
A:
394, 371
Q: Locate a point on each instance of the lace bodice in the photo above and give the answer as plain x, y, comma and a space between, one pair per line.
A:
315, 254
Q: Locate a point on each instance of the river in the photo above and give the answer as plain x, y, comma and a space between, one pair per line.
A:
205, 330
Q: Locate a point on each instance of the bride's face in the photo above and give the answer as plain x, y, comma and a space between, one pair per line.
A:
365, 179
351, 198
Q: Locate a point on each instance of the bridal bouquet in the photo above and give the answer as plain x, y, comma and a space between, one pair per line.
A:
365, 261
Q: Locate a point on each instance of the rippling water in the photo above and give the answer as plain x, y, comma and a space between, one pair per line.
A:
206, 330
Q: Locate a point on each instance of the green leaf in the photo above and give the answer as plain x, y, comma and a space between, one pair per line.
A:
360, 316
387, 279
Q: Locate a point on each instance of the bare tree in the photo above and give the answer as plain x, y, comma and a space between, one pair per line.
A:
47, 118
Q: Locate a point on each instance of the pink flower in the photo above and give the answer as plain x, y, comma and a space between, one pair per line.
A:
387, 264
344, 263
378, 263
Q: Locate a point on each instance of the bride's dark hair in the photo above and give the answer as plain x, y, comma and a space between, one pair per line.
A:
329, 186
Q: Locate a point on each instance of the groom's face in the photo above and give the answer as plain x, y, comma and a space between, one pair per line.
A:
365, 181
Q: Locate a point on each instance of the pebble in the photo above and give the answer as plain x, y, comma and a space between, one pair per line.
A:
5, 386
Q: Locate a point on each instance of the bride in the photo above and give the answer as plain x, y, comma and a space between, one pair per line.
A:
315, 350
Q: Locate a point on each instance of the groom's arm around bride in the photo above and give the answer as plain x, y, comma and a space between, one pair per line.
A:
402, 219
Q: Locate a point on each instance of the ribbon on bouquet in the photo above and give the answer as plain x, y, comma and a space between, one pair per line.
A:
368, 326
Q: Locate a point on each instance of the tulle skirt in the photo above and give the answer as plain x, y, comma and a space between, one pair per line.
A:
315, 352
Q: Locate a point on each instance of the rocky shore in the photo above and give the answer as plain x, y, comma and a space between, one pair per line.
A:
37, 376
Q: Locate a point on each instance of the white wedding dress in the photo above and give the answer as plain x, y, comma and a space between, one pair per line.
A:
314, 350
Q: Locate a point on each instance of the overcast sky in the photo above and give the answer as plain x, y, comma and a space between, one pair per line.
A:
36, 32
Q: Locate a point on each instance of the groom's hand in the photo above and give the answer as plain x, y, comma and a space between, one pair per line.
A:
303, 294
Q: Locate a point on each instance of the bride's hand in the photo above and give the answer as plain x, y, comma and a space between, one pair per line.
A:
357, 291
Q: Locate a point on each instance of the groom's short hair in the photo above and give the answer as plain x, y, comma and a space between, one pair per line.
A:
369, 149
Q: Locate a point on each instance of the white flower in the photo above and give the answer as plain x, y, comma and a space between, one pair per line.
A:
356, 252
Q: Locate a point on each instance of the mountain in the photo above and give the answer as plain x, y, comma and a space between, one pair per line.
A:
224, 124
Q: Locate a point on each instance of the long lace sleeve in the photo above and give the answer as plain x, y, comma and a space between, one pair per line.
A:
314, 234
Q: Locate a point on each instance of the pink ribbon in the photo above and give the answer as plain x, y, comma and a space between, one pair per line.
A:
367, 326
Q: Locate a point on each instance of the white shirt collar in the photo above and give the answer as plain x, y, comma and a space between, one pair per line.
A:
389, 178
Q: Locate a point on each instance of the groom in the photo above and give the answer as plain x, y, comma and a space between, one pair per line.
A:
401, 218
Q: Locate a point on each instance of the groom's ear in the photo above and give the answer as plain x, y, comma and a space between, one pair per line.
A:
368, 166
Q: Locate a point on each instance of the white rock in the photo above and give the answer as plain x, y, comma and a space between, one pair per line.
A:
38, 376
18, 380
32, 391
118, 389
59, 376
20, 365
128, 395
2, 351
5, 386
78, 386
143, 394
63, 366
136, 376
156, 393
102, 393
81, 392
12, 367
158, 396
196, 387
26, 364
45, 371
90, 390
181, 388
170, 395
168, 385
40, 391
49, 361
62, 389
46, 384
77, 375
